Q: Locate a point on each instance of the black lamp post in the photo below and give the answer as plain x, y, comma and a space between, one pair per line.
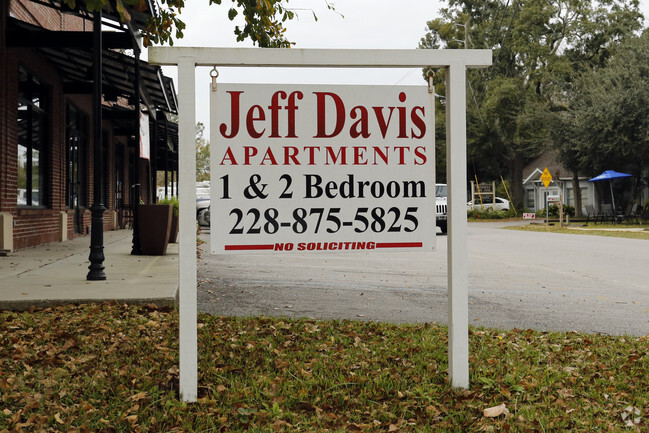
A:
96, 257
136, 248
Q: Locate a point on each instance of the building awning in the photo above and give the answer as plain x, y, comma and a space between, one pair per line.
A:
156, 90
76, 65
139, 16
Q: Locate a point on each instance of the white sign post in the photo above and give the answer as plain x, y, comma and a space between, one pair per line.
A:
455, 61
301, 169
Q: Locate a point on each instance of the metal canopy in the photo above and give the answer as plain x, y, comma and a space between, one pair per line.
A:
22, 34
157, 91
138, 18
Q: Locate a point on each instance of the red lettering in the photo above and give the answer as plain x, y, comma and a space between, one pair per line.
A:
402, 117
402, 152
361, 126
418, 121
283, 247
311, 150
324, 246
383, 124
251, 118
269, 156
359, 155
229, 156
290, 154
342, 154
420, 154
291, 108
321, 115
234, 117
274, 110
249, 152
379, 152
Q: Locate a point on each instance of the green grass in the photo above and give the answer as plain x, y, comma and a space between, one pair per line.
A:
114, 368
608, 230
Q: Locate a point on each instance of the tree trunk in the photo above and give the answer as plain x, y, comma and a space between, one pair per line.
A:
577, 192
516, 174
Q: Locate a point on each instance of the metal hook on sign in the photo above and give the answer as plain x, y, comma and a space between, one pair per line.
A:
214, 74
431, 86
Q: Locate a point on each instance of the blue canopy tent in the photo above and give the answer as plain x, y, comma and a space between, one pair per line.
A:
610, 175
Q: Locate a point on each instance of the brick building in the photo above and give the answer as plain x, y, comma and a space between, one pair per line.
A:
47, 156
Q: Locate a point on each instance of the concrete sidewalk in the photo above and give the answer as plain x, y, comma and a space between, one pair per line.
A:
55, 274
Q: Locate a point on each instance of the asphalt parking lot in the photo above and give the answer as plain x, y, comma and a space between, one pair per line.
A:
517, 279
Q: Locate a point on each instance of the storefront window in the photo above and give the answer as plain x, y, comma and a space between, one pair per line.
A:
32, 140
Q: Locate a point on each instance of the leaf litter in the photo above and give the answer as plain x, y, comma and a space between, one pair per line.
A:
110, 367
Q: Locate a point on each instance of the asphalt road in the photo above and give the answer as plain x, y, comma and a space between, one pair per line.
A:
517, 279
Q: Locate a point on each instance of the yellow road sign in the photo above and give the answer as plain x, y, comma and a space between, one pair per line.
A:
546, 177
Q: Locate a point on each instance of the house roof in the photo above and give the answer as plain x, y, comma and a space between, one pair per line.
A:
547, 159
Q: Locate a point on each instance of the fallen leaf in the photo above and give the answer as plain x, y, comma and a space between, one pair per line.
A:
139, 396
495, 411
57, 418
280, 424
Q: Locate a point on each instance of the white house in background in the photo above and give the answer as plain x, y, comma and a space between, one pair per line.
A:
536, 193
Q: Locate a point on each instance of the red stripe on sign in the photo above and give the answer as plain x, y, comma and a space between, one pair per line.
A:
399, 245
248, 247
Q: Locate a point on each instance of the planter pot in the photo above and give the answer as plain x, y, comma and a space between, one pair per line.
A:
173, 232
154, 225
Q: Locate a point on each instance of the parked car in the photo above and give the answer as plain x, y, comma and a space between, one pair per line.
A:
487, 203
203, 211
203, 203
441, 193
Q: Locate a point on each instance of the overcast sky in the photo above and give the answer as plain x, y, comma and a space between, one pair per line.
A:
385, 24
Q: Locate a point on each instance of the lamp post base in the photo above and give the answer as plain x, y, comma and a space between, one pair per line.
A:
97, 244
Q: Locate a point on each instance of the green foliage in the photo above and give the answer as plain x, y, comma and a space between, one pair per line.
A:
202, 154
489, 214
539, 48
604, 230
172, 201
609, 115
114, 367
554, 211
263, 19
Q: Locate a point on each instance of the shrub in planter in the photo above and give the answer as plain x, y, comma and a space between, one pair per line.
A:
154, 225
173, 233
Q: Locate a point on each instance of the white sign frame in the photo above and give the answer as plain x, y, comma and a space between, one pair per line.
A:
455, 61
305, 176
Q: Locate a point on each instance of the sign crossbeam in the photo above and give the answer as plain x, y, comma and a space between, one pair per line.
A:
321, 58
455, 61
